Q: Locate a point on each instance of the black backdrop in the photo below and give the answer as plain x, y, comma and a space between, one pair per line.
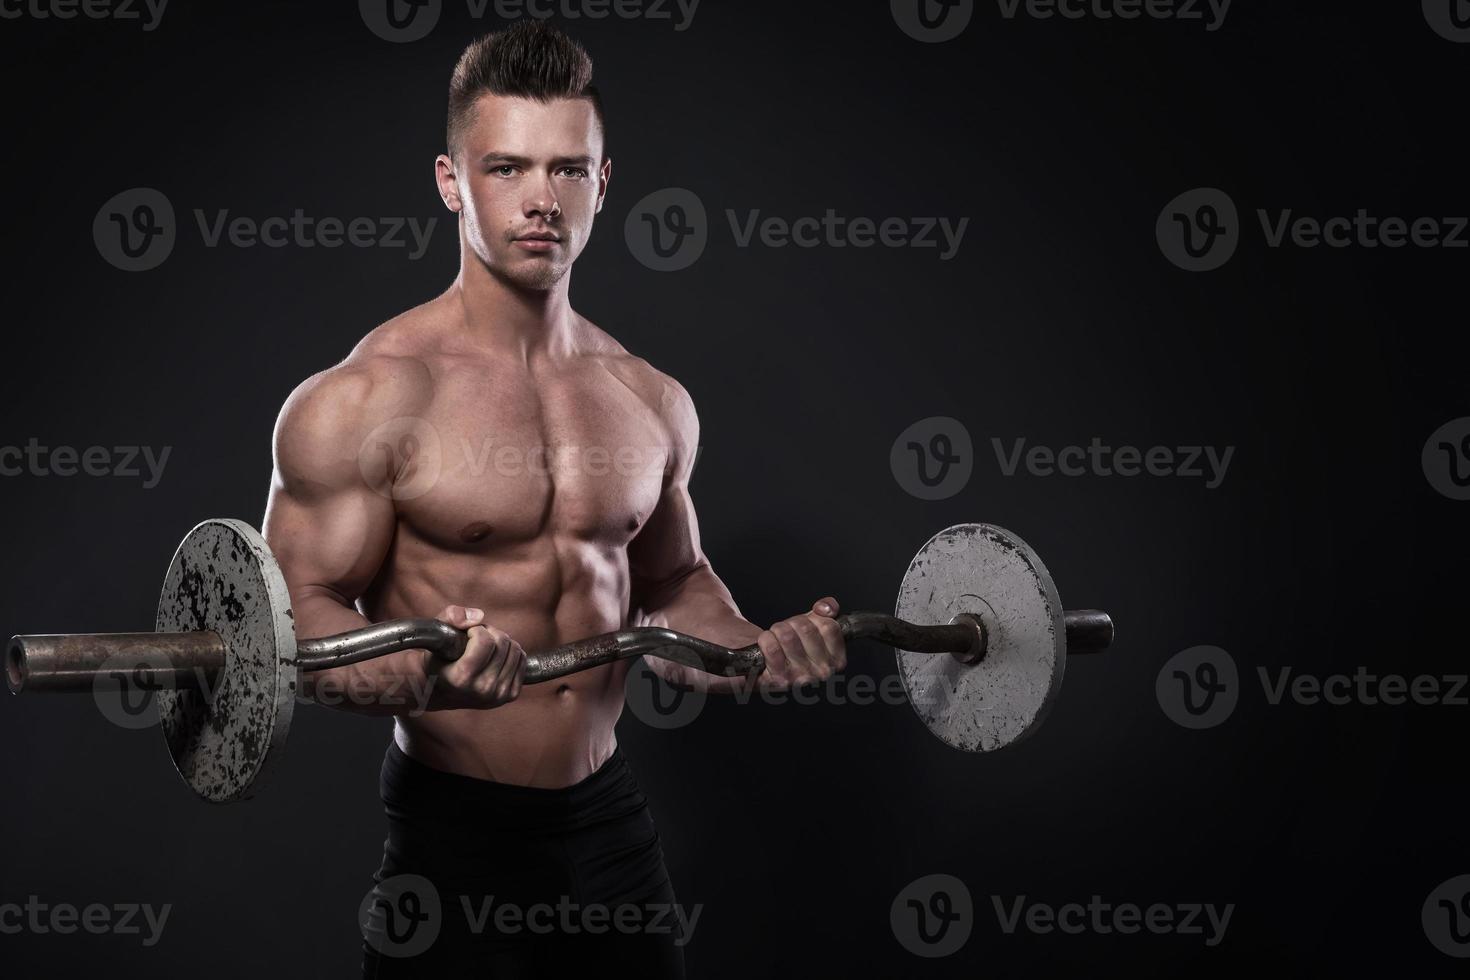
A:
1326, 548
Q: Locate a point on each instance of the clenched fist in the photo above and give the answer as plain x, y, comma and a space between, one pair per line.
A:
487, 675
803, 649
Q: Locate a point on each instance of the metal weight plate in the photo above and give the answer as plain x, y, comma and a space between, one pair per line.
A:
223, 578
992, 574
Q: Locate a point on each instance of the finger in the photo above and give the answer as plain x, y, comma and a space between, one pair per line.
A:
515, 690
477, 650
489, 678
506, 678
462, 617
777, 672
801, 669
826, 606
813, 647
835, 641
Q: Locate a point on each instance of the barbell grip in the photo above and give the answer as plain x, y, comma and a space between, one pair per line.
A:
1087, 630
448, 643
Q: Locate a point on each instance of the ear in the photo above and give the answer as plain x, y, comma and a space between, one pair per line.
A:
448, 182
604, 177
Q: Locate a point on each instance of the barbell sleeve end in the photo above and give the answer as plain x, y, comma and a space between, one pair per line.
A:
1088, 630
15, 664
79, 662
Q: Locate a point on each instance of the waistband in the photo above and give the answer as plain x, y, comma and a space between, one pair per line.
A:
410, 788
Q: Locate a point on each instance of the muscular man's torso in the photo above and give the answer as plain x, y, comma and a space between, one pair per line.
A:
518, 492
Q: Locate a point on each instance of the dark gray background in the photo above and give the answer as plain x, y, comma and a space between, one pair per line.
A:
1326, 547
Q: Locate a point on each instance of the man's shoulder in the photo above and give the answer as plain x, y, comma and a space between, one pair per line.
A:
661, 391
383, 376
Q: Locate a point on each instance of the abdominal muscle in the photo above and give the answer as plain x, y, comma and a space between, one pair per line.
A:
542, 593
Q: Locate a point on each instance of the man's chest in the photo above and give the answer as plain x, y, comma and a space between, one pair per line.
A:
499, 457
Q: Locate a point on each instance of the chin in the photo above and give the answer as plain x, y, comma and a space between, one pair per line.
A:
533, 275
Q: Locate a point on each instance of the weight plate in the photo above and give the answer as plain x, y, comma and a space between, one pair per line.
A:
223, 578
992, 574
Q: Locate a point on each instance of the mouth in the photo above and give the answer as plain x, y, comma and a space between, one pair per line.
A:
537, 241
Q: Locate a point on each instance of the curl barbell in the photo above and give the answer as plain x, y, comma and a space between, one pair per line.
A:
225, 662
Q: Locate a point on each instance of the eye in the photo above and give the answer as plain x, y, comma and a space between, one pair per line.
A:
504, 170
576, 173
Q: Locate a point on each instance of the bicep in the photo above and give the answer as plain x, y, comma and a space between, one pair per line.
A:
329, 516
667, 549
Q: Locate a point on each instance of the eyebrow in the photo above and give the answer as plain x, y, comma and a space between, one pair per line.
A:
520, 161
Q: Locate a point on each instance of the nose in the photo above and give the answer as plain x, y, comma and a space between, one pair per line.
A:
541, 202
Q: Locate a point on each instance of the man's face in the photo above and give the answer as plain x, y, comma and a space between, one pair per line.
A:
528, 177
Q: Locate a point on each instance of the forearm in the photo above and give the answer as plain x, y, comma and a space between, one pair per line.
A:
700, 605
394, 684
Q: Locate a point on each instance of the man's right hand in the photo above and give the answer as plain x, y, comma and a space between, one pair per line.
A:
487, 675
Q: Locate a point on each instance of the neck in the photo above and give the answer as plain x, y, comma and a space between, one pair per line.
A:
505, 318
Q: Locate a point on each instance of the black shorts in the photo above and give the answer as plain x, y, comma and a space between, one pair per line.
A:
485, 879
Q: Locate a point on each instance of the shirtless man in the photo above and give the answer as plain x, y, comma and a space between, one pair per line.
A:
409, 482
